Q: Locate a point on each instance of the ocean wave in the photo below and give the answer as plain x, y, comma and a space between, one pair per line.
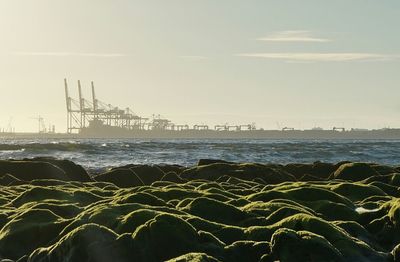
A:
107, 152
46, 147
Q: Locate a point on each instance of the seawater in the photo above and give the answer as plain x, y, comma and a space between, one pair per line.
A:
100, 153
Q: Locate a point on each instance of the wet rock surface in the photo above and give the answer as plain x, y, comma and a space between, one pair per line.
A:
53, 210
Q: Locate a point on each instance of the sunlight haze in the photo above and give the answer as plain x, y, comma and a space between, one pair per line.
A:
276, 63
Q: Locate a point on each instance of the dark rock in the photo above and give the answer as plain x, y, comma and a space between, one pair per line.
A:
8, 179
172, 177
120, 177
174, 235
247, 171
130, 222
148, 174
30, 170
357, 192
204, 162
383, 170
396, 253
354, 172
289, 245
194, 257
73, 171
309, 178
214, 210
318, 169
141, 198
28, 231
171, 168
89, 242
246, 251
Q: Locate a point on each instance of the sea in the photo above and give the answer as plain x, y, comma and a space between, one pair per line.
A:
100, 154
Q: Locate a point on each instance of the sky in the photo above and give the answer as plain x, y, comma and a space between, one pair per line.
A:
285, 63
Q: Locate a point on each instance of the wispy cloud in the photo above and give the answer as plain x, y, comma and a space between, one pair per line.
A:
65, 54
293, 36
323, 57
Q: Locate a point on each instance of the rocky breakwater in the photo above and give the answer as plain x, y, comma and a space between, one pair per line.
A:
53, 210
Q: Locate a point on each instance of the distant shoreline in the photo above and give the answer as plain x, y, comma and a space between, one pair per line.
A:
378, 134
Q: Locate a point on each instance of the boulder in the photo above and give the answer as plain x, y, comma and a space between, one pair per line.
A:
289, 245
172, 177
247, 171
246, 251
30, 170
194, 257
204, 162
165, 237
354, 172
319, 170
8, 179
28, 231
171, 168
396, 253
89, 242
146, 173
121, 177
215, 210
73, 171
130, 222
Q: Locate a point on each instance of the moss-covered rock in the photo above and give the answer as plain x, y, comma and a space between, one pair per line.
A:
355, 172
351, 248
357, 191
246, 251
147, 174
318, 170
30, 170
88, 242
28, 231
37, 194
140, 198
174, 235
331, 211
289, 245
7, 179
247, 171
228, 211
194, 257
123, 178
217, 211
73, 171
130, 222
172, 177
64, 210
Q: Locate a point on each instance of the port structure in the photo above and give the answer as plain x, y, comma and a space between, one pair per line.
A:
200, 127
288, 129
233, 128
83, 113
341, 129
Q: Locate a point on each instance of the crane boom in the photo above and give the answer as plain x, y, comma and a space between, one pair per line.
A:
67, 100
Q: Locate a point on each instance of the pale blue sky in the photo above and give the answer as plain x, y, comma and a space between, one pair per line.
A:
277, 63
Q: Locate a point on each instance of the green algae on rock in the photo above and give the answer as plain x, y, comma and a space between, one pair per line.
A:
216, 211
